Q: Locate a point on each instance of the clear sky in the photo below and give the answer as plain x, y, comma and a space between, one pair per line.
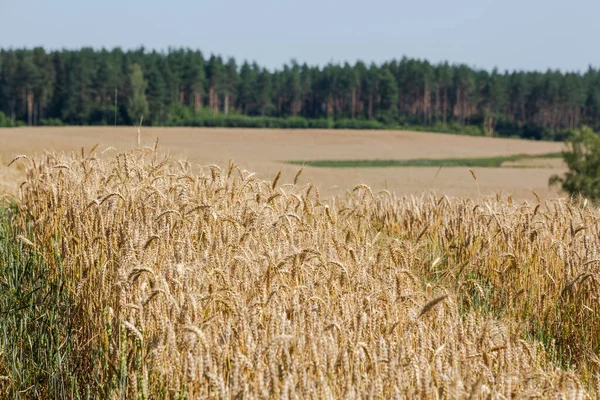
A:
508, 34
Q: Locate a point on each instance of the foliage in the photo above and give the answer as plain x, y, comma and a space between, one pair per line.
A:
51, 122
358, 124
5, 122
101, 87
136, 102
35, 307
582, 157
469, 130
243, 121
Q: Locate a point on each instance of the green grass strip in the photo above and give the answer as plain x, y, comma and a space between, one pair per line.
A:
484, 162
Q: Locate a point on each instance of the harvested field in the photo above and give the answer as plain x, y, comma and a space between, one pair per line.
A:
264, 152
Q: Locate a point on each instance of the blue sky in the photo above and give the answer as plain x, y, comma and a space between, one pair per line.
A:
508, 34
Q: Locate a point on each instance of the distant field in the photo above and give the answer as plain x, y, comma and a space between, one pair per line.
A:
265, 150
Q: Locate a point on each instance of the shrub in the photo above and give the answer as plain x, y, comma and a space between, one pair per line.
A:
582, 157
52, 122
5, 122
358, 124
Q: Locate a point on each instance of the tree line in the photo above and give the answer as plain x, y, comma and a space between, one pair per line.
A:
185, 87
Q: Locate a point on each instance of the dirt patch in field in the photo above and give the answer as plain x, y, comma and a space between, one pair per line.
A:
263, 150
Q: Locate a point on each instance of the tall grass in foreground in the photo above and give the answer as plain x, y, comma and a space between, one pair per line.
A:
34, 318
213, 283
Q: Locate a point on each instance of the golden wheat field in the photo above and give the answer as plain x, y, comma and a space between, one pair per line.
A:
181, 274
210, 282
263, 151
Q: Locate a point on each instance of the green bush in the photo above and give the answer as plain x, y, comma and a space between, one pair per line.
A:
470, 130
582, 157
5, 122
321, 123
52, 122
358, 124
209, 120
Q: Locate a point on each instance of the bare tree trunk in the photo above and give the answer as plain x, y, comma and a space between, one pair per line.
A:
226, 105
197, 99
401, 107
41, 112
360, 107
353, 111
445, 109
29, 107
338, 105
437, 104
215, 102
426, 104
459, 105
36, 110
466, 111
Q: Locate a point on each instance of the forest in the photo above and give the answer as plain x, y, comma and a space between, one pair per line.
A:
183, 87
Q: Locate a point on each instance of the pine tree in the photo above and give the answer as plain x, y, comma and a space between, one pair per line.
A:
156, 94
79, 87
230, 83
9, 86
387, 92
215, 74
137, 104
